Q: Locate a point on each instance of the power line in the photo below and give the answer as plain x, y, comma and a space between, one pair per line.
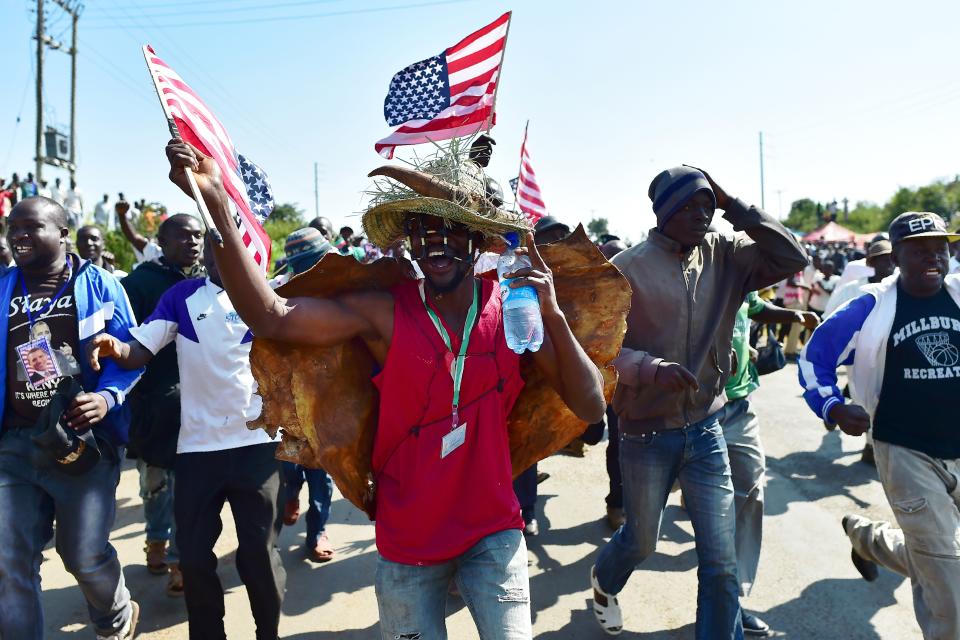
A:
186, 14
911, 99
214, 87
138, 88
260, 20
23, 100
192, 3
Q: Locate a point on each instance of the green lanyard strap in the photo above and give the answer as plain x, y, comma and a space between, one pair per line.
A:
456, 371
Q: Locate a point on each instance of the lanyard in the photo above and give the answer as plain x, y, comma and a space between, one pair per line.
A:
456, 371
45, 308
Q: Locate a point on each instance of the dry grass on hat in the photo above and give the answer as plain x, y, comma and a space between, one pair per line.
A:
445, 184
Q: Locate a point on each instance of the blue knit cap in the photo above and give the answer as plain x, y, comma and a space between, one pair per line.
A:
304, 248
673, 188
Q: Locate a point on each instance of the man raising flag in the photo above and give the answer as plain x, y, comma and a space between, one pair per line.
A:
245, 183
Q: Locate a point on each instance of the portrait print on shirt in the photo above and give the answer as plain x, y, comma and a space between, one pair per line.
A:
43, 344
36, 358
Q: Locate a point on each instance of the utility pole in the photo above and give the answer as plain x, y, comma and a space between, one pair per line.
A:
316, 193
44, 40
73, 97
763, 199
38, 170
780, 204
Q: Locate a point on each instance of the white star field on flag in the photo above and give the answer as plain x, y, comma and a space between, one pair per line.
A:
418, 92
258, 188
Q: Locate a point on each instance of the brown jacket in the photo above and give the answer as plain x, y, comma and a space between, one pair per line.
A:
683, 309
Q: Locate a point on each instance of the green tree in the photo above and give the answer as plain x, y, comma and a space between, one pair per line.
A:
597, 227
122, 250
287, 212
902, 200
866, 217
803, 215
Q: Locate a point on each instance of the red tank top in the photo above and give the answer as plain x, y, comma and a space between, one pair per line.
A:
432, 509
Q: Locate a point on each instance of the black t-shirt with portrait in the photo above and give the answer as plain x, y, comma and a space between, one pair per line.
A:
922, 377
40, 353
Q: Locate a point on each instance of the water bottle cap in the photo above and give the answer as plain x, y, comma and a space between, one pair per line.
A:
512, 238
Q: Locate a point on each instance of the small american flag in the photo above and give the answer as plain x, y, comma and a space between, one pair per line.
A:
529, 199
513, 185
449, 95
245, 182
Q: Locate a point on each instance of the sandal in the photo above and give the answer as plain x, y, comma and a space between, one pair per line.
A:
606, 608
323, 551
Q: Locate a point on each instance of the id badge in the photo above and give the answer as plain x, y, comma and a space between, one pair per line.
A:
453, 440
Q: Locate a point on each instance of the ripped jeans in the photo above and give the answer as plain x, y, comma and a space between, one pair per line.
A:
491, 577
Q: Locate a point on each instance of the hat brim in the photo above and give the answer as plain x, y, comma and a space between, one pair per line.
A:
383, 224
949, 237
300, 262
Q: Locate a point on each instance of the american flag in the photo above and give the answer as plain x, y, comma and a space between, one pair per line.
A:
245, 182
449, 95
529, 199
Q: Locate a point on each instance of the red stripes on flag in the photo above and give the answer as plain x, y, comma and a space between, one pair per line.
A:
473, 67
198, 126
529, 199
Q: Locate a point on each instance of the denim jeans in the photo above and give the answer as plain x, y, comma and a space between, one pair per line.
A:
615, 496
491, 577
697, 456
84, 506
156, 491
320, 492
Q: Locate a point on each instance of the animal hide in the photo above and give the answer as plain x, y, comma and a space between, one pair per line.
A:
326, 405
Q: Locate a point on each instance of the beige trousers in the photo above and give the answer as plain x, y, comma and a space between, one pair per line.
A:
793, 340
923, 493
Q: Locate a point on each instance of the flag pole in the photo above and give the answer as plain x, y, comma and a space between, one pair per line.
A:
205, 218
493, 107
516, 195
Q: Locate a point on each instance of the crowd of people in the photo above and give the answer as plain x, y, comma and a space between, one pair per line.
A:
154, 365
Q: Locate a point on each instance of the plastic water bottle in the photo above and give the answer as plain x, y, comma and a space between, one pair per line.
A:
522, 323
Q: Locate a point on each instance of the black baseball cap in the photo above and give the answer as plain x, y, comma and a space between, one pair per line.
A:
483, 140
549, 222
60, 446
919, 224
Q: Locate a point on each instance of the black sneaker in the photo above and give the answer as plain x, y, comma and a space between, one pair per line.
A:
754, 626
866, 568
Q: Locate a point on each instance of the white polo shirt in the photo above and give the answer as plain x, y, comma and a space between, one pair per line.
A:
217, 388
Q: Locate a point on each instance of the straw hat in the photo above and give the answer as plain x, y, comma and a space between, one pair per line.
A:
450, 189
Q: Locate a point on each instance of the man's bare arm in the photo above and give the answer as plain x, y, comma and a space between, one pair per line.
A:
134, 238
316, 321
129, 355
561, 359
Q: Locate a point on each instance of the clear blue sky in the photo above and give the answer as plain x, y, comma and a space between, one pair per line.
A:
855, 98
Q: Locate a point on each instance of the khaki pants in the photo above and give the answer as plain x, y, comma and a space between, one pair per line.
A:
741, 430
793, 340
923, 493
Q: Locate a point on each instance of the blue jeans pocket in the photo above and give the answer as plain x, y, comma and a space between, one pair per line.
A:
642, 439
